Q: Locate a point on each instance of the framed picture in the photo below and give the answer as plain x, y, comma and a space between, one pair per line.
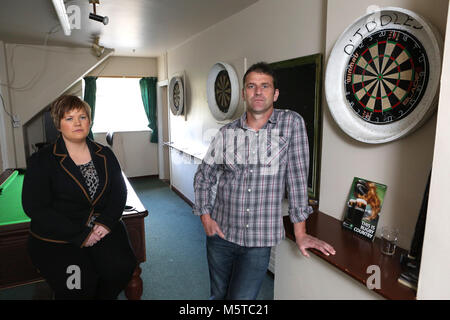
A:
300, 86
364, 203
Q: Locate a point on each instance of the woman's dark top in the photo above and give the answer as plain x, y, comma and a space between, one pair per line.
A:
62, 204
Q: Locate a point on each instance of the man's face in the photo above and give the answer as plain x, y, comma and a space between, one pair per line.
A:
259, 92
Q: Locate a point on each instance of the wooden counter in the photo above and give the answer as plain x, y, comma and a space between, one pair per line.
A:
354, 254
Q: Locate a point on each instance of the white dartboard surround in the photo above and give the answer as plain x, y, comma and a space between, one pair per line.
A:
403, 97
229, 91
176, 95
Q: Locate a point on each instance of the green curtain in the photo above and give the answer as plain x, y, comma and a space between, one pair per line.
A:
148, 93
89, 96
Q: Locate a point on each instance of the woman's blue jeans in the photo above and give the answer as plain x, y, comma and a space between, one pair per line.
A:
236, 272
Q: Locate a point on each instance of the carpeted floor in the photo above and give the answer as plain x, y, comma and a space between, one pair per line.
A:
176, 266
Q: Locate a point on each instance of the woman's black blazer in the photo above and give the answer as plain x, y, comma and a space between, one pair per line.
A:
56, 197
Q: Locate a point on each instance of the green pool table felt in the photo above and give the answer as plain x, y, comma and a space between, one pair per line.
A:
11, 210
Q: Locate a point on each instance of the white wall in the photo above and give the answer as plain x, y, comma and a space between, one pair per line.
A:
1, 160
34, 133
6, 130
312, 278
402, 165
36, 79
34, 129
36, 75
162, 67
137, 156
268, 30
183, 169
434, 279
117, 66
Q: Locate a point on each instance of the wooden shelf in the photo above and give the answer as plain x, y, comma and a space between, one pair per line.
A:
354, 254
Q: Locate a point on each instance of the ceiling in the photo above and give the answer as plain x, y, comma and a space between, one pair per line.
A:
142, 28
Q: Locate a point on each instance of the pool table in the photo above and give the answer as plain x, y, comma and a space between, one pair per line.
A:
15, 265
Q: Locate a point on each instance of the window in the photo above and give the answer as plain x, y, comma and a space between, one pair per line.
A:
119, 106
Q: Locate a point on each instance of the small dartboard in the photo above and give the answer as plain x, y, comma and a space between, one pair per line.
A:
222, 91
383, 75
176, 95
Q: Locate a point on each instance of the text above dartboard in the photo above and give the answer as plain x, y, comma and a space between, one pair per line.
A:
383, 75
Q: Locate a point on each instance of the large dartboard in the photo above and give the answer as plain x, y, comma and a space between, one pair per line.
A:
386, 76
383, 74
222, 91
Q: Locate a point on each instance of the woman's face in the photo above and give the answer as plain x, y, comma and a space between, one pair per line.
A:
75, 125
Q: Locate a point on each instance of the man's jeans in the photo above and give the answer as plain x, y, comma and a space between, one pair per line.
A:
236, 272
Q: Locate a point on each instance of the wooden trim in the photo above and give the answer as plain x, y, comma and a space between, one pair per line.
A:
5, 175
189, 202
46, 239
354, 254
153, 176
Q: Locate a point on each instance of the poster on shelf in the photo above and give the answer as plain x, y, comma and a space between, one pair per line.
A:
363, 207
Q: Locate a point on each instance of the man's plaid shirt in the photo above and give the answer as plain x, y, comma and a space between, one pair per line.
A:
250, 172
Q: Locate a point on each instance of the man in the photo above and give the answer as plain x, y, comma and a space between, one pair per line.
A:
251, 162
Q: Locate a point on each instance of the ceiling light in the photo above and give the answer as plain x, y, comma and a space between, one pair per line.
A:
95, 16
98, 18
62, 15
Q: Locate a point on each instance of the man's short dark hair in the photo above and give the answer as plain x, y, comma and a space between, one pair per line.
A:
262, 67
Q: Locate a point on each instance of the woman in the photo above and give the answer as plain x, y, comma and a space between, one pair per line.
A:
75, 194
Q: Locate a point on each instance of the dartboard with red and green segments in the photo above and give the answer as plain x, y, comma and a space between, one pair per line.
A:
386, 76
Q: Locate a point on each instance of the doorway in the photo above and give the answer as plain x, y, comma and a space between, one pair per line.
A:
163, 130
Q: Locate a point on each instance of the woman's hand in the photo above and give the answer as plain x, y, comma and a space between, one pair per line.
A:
100, 231
96, 235
92, 239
